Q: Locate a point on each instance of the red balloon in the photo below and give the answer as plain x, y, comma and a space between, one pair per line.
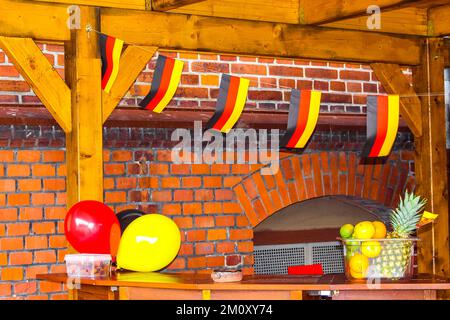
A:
92, 227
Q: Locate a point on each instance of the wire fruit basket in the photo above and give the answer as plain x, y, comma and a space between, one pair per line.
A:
379, 258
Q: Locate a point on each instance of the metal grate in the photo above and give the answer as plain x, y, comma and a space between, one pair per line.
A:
275, 259
330, 255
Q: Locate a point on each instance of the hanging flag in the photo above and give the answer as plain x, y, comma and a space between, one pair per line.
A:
110, 50
230, 103
382, 125
303, 115
164, 85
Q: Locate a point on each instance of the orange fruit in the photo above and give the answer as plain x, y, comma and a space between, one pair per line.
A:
359, 264
364, 230
380, 230
371, 249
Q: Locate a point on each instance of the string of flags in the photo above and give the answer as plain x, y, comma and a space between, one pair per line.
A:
382, 111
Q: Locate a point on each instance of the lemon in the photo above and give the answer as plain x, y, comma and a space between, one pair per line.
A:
371, 249
380, 230
346, 231
356, 275
364, 230
359, 264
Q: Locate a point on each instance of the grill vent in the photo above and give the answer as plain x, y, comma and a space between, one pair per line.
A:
275, 259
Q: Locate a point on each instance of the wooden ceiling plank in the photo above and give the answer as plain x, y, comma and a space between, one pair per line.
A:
395, 82
190, 32
133, 60
284, 11
165, 5
41, 76
124, 4
326, 11
34, 20
411, 20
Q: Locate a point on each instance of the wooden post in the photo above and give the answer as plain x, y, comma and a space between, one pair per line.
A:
431, 158
84, 144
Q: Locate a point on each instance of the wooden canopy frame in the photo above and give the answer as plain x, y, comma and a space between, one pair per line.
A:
411, 35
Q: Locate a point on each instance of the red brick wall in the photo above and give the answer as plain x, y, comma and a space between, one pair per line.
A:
344, 86
138, 171
216, 224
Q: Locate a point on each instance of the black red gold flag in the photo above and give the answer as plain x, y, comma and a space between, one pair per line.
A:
230, 103
304, 111
164, 85
110, 51
382, 125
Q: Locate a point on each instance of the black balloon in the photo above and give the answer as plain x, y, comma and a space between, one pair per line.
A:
127, 216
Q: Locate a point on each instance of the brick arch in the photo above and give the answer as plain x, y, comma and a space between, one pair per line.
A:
308, 176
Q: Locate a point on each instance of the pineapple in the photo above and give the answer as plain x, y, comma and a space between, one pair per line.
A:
395, 256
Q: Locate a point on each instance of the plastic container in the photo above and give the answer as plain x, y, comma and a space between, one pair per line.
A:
88, 265
379, 258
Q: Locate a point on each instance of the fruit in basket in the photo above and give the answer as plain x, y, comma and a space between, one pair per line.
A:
356, 275
371, 249
359, 264
380, 230
364, 230
395, 255
346, 231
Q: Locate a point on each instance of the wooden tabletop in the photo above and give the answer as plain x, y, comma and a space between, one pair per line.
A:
279, 282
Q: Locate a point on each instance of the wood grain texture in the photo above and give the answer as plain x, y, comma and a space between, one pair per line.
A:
395, 82
321, 11
190, 32
19, 19
85, 143
41, 76
284, 11
133, 60
410, 20
431, 159
439, 21
165, 5
124, 4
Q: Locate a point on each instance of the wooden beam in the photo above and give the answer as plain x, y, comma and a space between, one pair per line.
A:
34, 20
410, 20
284, 11
41, 76
189, 32
395, 82
315, 12
165, 5
431, 159
133, 60
85, 144
124, 4
184, 118
326, 11
439, 21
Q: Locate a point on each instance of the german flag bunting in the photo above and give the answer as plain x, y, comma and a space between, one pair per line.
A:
230, 103
303, 115
164, 85
382, 125
110, 51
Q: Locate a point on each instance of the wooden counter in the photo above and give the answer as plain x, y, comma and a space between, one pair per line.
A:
157, 286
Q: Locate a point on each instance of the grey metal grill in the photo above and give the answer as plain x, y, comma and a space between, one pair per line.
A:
275, 259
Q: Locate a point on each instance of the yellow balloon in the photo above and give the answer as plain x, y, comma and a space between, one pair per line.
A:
149, 243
